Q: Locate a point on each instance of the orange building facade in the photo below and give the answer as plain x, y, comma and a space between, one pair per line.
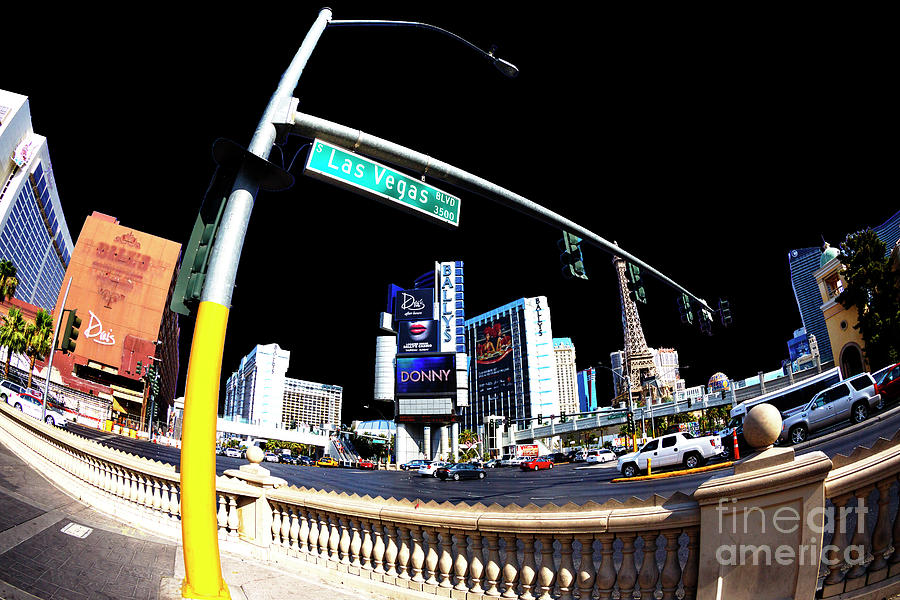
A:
121, 285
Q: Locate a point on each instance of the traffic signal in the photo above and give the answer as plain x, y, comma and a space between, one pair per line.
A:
684, 309
706, 320
635, 283
571, 259
138, 368
630, 418
70, 332
724, 312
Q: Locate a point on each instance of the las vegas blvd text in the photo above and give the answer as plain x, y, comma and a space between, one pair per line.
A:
374, 178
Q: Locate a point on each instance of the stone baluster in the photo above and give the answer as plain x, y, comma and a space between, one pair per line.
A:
285, 526
303, 535
355, 543
378, 548
222, 517
417, 558
344, 545
403, 553
390, 550
324, 534
586, 574
833, 558
157, 497
510, 566
367, 544
895, 557
691, 572
492, 568
445, 563
461, 563
313, 533
649, 573
528, 571
627, 577
671, 573
606, 575
860, 539
476, 563
431, 555
547, 573
881, 537
295, 530
565, 576
276, 524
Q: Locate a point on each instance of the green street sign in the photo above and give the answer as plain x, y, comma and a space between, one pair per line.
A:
615, 416
364, 176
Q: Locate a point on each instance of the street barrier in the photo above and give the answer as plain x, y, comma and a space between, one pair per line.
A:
683, 546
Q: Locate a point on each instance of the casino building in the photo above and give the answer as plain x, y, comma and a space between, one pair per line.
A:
513, 369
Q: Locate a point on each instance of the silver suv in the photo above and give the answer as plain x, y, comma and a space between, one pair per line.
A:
852, 399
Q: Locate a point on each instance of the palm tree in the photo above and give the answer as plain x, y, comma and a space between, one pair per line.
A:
12, 335
8, 281
39, 337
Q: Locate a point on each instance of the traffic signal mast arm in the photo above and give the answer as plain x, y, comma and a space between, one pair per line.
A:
378, 148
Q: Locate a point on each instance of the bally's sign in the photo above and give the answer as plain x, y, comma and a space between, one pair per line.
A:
433, 375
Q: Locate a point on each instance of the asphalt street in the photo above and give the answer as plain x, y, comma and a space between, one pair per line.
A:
565, 483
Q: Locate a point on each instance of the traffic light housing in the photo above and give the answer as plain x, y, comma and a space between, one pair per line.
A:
138, 368
570, 257
684, 309
724, 312
630, 418
635, 283
706, 320
70, 332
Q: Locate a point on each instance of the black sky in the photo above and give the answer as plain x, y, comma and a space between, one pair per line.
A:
706, 144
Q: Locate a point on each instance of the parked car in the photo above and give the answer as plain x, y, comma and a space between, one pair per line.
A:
233, 452
559, 458
492, 463
33, 407
429, 469
326, 461
887, 383
9, 389
852, 398
600, 456
366, 464
414, 465
460, 471
271, 457
513, 461
536, 463
673, 450
305, 460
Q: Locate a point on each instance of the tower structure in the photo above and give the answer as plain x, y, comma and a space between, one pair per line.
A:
639, 363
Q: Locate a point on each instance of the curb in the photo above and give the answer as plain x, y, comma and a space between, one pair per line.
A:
674, 473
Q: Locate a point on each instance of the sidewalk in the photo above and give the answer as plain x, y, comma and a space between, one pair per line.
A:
53, 547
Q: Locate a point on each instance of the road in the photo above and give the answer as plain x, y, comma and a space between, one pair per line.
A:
564, 483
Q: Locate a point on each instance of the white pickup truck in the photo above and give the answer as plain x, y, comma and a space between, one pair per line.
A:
671, 450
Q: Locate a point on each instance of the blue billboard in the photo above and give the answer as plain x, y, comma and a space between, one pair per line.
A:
433, 375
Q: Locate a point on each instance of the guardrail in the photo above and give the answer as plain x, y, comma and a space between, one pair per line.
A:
676, 547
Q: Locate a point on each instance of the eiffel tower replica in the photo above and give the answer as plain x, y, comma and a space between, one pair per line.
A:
638, 364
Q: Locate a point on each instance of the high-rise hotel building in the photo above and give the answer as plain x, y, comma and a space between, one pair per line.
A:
33, 230
259, 392
566, 375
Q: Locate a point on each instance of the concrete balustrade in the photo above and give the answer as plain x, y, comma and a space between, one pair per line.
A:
677, 547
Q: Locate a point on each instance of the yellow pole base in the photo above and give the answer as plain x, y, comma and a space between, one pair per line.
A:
199, 526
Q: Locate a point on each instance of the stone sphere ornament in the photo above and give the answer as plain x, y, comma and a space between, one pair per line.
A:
762, 426
255, 454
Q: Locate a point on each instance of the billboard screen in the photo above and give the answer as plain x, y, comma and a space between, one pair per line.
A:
494, 357
433, 375
417, 336
414, 305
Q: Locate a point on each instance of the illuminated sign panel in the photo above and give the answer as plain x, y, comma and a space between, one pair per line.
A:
433, 375
414, 305
417, 336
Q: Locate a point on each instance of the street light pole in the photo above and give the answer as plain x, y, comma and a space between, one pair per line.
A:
630, 406
203, 572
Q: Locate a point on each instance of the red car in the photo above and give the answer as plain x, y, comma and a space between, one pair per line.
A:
887, 383
366, 464
538, 462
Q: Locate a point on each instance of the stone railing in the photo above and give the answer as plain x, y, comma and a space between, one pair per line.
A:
678, 547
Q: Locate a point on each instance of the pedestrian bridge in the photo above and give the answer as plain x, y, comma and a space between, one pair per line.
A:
692, 546
270, 432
